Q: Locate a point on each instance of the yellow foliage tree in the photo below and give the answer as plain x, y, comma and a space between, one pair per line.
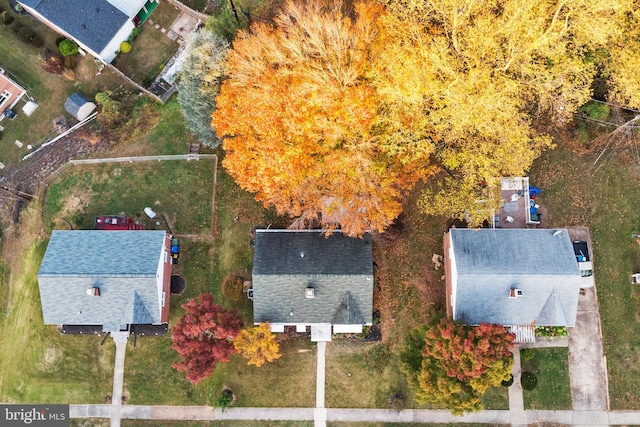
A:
258, 345
332, 114
481, 71
621, 56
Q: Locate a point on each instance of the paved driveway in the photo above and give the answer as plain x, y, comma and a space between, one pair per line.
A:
587, 369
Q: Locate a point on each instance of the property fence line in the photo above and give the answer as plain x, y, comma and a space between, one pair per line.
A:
160, 158
201, 16
62, 135
145, 90
44, 184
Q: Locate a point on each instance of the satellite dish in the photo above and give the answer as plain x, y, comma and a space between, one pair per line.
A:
557, 233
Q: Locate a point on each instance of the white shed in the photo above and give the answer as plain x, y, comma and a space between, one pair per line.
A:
79, 107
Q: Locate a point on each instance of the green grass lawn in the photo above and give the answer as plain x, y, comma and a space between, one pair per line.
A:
225, 423
290, 381
496, 398
39, 365
551, 367
22, 63
607, 202
180, 190
363, 375
366, 375
287, 382
151, 49
168, 136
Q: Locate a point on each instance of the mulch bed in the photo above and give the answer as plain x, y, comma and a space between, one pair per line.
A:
178, 284
81, 329
149, 330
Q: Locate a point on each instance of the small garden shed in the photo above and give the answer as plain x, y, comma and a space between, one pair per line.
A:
79, 107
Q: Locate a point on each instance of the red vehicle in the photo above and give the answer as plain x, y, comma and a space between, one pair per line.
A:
115, 222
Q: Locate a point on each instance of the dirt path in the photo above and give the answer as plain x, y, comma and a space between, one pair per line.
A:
26, 175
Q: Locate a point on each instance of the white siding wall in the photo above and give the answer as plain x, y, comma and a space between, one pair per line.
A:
302, 327
160, 277
128, 7
347, 329
277, 327
454, 276
109, 52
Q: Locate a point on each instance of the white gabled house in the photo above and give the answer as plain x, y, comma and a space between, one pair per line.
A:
519, 278
97, 26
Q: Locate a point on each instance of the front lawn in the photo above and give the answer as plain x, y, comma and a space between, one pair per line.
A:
551, 367
366, 375
606, 200
496, 398
363, 375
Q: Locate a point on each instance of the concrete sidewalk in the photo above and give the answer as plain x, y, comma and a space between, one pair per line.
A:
203, 413
320, 413
516, 400
118, 376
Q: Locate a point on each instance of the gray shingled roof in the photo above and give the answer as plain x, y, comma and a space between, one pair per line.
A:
92, 22
102, 253
490, 262
311, 252
339, 268
122, 264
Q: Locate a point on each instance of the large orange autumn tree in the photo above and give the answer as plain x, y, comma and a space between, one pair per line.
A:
330, 115
305, 130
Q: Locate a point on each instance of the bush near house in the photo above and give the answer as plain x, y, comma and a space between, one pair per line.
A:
125, 47
68, 47
527, 354
134, 34
6, 17
551, 331
529, 381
